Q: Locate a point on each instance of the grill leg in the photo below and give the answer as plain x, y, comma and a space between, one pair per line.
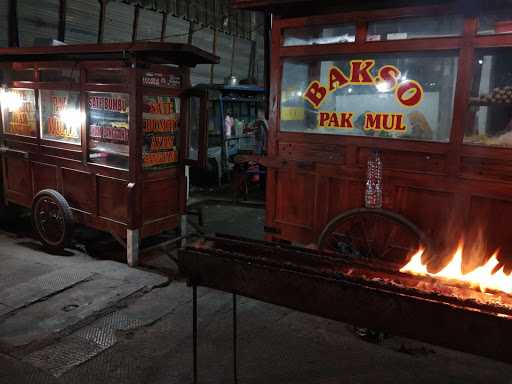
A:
194, 330
235, 344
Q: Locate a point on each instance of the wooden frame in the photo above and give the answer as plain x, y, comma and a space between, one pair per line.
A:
451, 190
132, 202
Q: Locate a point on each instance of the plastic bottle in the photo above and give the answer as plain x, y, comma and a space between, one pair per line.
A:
373, 190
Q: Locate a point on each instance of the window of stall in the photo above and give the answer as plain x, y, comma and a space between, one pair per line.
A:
19, 111
489, 120
161, 117
415, 28
60, 115
108, 128
194, 128
69, 75
107, 75
196, 116
402, 96
320, 34
494, 23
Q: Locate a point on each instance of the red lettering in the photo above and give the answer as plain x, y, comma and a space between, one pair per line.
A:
389, 74
323, 118
346, 120
372, 121
399, 123
388, 121
360, 71
315, 94
336, 79
409, 93
333, 121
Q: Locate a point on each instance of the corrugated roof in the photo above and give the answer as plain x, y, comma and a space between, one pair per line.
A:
161, 53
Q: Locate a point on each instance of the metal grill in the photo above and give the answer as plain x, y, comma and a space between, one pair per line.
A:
364, 293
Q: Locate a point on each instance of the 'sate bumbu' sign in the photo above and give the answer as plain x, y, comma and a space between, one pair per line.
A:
388, 78
108, 116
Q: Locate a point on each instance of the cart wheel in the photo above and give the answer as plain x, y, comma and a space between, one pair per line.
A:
372, 234
52, 219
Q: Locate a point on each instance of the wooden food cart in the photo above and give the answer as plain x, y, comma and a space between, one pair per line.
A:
100, 135
426, 86
390, 130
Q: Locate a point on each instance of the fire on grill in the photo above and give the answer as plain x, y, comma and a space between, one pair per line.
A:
463, 311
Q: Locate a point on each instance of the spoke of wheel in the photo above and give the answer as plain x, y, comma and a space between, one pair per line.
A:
386, 247
362, 225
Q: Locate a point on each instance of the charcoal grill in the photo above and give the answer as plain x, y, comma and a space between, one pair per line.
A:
360, 292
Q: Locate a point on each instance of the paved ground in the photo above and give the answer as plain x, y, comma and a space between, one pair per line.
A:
80, 319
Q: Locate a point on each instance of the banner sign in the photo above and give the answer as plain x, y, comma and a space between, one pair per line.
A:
60, 115
388, 78
108, 117
165, 80
160, 116
19, 112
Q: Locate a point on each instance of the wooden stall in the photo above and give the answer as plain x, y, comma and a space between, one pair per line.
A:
425, 85
100, 135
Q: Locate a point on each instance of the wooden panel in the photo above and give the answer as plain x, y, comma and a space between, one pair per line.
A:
156, 227
433, 212
407, 160
312, 152
112, 199
295, 196
489, 228
44, 176
478, 167
160, 199
100, 223
78, 189
18, 176
344, 195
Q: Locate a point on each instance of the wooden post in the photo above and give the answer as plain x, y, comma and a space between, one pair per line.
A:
164, 26
190, 31
12, 24
214, 51
61, 35
214, 44
135, 22
101, 21
233, 46
267, 44
183, 227
132, 247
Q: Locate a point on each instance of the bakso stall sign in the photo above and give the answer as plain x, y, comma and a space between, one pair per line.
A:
388, 78
161, 114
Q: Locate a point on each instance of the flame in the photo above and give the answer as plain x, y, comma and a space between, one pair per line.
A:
481, 277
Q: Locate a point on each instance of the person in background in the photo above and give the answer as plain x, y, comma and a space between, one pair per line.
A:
229, 122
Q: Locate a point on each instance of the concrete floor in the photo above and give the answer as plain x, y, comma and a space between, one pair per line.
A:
81, 319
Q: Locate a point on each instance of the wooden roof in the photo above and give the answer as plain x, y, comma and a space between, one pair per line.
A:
158, 53
308, 7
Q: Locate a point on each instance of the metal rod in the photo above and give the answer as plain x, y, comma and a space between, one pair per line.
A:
235, 344
194, 329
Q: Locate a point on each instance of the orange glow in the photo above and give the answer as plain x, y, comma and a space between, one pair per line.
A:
481, 277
